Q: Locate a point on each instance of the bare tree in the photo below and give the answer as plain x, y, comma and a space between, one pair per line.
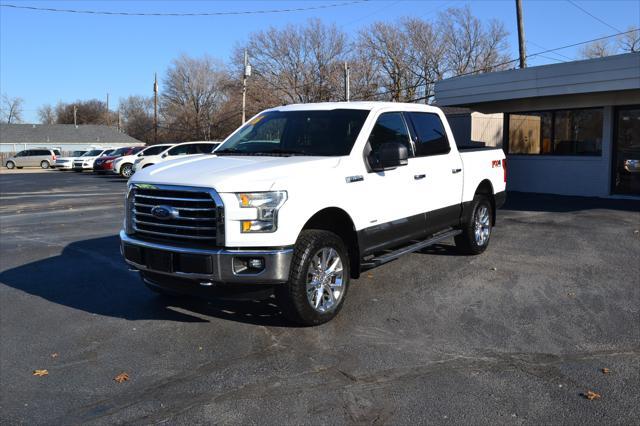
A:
630, 41
389, 48
136, 113
193, 94
597, 49
298, 63
11, 109
47, 114
427, 54
470, 46
91, 111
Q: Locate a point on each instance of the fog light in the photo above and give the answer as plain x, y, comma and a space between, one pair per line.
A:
248, 265
257, 263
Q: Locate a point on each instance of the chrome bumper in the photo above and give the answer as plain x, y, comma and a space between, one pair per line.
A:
180, 262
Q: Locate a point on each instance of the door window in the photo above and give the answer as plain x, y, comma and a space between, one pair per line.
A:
390, 127
626, 179
431, 138
180, 150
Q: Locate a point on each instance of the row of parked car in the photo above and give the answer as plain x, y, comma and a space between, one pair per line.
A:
122, 161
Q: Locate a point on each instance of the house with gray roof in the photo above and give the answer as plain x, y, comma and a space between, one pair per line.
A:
65, 137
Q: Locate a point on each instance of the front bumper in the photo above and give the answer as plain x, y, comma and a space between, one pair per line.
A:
62, 166
214, 266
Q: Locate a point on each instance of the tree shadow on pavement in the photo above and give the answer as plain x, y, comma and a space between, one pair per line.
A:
91, 276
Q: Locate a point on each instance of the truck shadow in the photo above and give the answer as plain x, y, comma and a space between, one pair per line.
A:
523, 201
91, 276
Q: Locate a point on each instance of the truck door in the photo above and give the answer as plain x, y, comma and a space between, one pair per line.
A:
392, 214
438, 168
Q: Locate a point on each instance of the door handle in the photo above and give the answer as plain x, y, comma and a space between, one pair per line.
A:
418, 177
454, 171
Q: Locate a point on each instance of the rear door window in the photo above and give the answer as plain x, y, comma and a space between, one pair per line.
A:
430, 136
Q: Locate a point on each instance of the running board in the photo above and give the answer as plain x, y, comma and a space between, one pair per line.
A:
388, 257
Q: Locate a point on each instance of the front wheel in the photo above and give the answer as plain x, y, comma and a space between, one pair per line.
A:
477, 229
318, 280
44, 164
10, 165
126, 170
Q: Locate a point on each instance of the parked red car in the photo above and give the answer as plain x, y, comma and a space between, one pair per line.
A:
105, 164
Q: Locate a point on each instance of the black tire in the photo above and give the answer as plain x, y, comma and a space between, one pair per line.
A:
467, 242
126, 170
292, 296
44, 164
10, 165
77, 170
18, 167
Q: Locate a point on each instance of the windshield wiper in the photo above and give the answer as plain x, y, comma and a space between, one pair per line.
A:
285, 152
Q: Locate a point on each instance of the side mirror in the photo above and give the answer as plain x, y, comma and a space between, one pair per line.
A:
389, 156
164, 155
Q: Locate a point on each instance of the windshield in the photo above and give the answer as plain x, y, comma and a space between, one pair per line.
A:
120, 151
320, 133
92, 153
154, 150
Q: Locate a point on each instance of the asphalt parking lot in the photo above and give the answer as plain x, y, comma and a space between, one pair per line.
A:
514, 336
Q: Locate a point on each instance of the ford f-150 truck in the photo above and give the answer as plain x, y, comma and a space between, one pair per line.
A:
303, 198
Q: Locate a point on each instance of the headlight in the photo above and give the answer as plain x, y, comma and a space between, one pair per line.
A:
266, 205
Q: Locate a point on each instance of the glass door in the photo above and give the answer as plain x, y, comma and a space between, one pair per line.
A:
626, 151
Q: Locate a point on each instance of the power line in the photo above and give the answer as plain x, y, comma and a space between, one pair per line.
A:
593, 16
241, 12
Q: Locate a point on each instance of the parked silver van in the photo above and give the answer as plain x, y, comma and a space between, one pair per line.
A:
38, 157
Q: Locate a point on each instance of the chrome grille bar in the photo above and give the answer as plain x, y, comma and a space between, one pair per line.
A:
197, 213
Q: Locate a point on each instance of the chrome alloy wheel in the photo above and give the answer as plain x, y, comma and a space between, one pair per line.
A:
325, 280
482, 225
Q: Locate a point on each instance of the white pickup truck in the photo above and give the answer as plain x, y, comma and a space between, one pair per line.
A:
302, 198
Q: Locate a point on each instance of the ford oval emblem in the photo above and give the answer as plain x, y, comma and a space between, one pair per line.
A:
164, 212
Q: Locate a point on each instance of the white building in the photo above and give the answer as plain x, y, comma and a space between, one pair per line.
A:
65, 137
571, 128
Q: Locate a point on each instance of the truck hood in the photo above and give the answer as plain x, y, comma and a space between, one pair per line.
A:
235, 173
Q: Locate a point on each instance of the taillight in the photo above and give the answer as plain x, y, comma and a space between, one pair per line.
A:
504, 169
53, 157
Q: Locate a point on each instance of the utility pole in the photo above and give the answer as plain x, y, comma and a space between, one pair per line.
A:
108, 119
521, 42
155, 108
347, 89
75, 116
246, 74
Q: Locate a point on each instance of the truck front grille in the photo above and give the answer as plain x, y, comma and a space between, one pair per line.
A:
199, 216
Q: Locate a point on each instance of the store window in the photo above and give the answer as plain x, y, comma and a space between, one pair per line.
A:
560, 132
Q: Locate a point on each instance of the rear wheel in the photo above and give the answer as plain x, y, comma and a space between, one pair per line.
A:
126, 170
44, 164
318, 280
10, 165
477, 229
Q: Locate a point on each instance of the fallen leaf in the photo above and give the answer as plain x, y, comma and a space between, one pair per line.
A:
606, 371
40, 373
122, 377
494, 269
591, 395
199, 348
571, 294
369, 275
54, 355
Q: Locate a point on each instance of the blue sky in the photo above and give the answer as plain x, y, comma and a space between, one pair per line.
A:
51, 57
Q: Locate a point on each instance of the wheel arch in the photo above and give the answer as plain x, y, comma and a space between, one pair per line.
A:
486, 188
338, 221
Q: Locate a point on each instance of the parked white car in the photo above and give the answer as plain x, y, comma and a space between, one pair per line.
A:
66, 163
124, 165
177, 151
85, 162
302, 198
